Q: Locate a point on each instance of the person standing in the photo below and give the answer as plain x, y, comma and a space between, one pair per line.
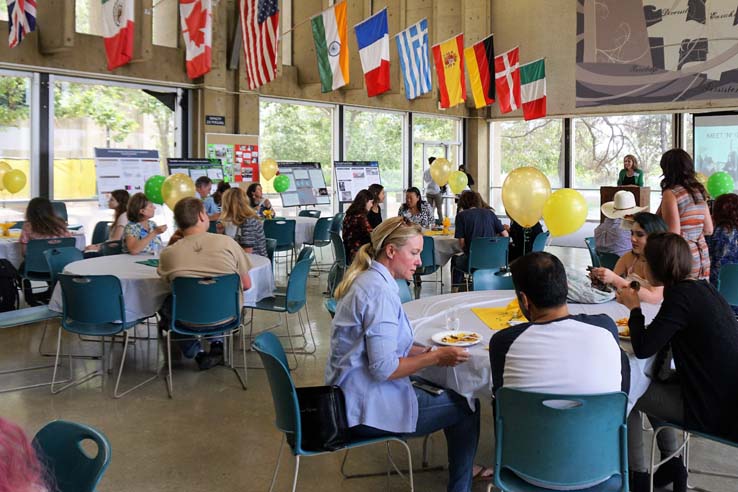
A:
630, 175
433, 192
375, 213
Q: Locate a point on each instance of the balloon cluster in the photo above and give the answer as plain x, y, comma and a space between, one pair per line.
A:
526, 194
718, 184
442, 174
269, 170
11, 179
169, 190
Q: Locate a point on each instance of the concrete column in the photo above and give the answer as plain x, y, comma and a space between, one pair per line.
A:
477, 154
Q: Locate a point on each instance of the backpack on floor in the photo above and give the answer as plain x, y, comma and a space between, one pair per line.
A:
9, 285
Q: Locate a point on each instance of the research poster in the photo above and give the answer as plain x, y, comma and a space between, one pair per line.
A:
354, 176
239, 155
307, 184
124, 169
194, 168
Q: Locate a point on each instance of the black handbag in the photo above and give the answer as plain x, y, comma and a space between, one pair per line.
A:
323, 418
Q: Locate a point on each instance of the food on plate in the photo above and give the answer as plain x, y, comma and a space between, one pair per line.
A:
622, 322
623, 329
461, 337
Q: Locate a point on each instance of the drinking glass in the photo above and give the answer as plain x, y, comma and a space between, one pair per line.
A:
452, 319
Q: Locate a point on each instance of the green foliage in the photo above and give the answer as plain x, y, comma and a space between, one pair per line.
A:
376, 136
14, 107
535, 144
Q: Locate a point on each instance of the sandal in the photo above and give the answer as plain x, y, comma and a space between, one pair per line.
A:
482, 474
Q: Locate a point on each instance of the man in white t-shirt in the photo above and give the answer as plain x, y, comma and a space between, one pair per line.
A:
433, 192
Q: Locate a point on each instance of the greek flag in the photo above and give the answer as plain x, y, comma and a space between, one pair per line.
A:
412, 46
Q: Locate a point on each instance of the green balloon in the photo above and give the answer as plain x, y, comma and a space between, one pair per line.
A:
720, 183
152, 189
281, 183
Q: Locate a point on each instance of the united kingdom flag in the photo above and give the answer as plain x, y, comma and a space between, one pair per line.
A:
21, 20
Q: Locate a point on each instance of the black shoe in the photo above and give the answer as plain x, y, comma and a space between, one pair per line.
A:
208, 361
639, 481
216, 348
671, 471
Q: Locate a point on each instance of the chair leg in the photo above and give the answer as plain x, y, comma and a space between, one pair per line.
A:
170, 389
276, 466
53, 354
117, 395
297, 471
241, 379
72, 382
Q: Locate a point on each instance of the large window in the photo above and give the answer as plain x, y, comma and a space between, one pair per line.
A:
434, 136
378, 136
16, 142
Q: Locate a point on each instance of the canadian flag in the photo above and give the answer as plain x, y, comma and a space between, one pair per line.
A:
507, 80
197, 30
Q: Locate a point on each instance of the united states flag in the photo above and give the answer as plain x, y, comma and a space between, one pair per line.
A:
260, 28
21, 20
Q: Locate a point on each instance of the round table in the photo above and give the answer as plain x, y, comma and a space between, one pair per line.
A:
446, 246
10, 248
473, 379
304, 227
144, 291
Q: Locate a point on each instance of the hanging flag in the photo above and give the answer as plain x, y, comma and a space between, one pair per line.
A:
373, 37
260, 30
479, 60
197, 30
21, 20
507, 80
450, 70
533, 89
117, 16
331, 47
412, 46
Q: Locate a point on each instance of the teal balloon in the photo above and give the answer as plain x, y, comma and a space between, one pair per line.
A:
281, 183
720, 183
152, 189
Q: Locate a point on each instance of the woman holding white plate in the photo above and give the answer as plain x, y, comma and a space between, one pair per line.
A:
372, 355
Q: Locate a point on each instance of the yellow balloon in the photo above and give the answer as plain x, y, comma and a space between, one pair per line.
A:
440, 170
268, 168
457, 181
14, 180
524, 193
702, 179
565, 212
4, 167
176, 187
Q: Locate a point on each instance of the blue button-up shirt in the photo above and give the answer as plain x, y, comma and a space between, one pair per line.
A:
211, 208
371, 333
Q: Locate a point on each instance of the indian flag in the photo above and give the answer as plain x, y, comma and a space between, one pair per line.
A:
533, 89
117, 17
331, 47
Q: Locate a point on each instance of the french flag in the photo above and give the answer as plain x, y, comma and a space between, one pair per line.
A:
373, 38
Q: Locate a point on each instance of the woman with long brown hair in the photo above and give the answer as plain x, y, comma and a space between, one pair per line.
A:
41, 223
356, 227
249, 230
119, 203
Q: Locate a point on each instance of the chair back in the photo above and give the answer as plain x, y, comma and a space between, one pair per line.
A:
608, 260
213, 227
60, 209
58, 258
590, 242
110, 248
488, 252
35, 259
338, 250
728, 283
284, 396
283, 231
309, 213
427, 257
486, 279
91, 301
306, 253
209, 301
322, 231
59, 447
101, 233
539, 243
405, 294
337, 225
271, 246
297, 286
559, 441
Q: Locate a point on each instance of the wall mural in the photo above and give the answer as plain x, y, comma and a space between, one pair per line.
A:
647, 51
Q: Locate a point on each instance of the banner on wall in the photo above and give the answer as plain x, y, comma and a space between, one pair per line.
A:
123, 169
239, 155
650, 51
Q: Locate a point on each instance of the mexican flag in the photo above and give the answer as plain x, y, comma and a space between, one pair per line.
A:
117, 17
331, 47
533, 89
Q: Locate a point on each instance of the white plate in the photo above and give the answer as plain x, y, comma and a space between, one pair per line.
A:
438, 338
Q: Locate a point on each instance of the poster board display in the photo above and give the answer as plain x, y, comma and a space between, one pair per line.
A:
354, 176
194, 168
307, 184
239, 155
124, 169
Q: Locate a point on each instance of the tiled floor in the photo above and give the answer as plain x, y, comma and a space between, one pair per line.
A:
214, 436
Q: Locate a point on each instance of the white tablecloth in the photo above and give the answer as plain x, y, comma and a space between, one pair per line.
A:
304, 227
473, 379
143, 289
446, 247
10, 248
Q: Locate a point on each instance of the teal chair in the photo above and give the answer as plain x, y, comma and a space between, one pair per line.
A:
539, 243
428, 264
608, 260
590, 242
72, 469
35, 266
309, 213
487, 253
287, 409
306, 253
60, 209
101, 232
330, 306
728, 283
486, 279
213, 305
560, 441
58, 258
405, 294
213, 227
93, 305
110, 248
321, 236
337, 225
283, 230
271, 245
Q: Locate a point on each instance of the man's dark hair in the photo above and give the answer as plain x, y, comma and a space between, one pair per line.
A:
541, 276
187, 212
431, 159
203, 181
668, 257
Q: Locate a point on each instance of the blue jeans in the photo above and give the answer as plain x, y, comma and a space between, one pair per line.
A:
451, 413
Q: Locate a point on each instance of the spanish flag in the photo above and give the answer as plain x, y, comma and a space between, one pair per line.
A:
450, 70
481, 67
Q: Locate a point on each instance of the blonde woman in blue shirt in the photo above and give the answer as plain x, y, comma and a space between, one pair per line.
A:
372, 354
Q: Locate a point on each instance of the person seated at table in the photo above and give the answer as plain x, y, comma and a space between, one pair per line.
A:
257, 200
248, 229
475, 220
375, 213
118, 201
723, 243
356, 229
200, 254
416, 210
520, 242
701, 329
222, 187
141, 234
372, 355
203, 186
632, 266
630, 174
21, 469
613, 235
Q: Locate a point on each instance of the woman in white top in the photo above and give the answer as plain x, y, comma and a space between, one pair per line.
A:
118, 202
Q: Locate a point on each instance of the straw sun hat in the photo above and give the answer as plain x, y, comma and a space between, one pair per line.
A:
623, 204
